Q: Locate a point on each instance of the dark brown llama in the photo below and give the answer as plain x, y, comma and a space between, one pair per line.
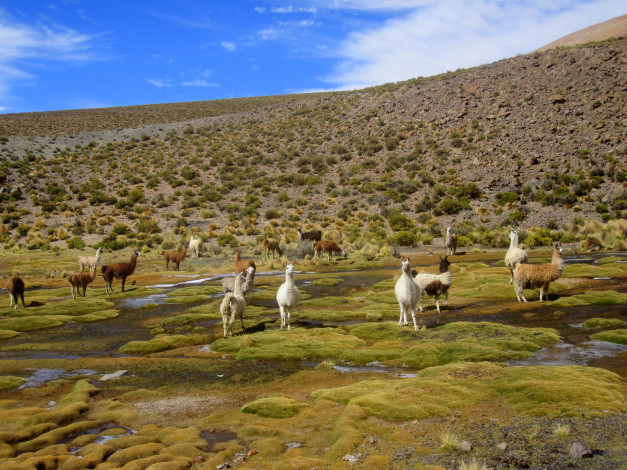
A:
15, 286
314, 235
119, 271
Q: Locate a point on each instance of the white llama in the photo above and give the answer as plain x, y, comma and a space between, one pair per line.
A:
287, 297
514, 255
407, 293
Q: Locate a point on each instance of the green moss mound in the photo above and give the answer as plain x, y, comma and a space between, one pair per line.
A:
603, 323
387, 343
438, 391
612, 336
273, 407
605, 298
8, 334
8, 382
162, 343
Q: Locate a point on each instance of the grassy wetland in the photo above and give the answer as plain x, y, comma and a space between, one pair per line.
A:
143, 379
346, 386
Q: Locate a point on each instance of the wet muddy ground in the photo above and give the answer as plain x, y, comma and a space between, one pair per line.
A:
175, 378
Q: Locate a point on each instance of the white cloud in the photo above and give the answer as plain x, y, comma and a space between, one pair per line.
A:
455, 34
159, 83
268, 34
298, 24
200, 82
293, 9
229, 46
22, 42
260, 10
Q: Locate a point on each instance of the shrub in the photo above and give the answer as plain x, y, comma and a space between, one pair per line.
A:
402, 238
76, 243
273, 214
227, 239
507, 198
450, 205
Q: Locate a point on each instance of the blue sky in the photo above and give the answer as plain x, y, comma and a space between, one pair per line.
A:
85, 54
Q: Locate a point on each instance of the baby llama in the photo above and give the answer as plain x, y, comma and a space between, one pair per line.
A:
531, 276
232, 307
15, 286
81, 280
451, 242
407, 293
90, 261
228, 283
514, 255
287, 297
436, 284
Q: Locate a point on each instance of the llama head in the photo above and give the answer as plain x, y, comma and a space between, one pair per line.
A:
558, 247
444, 264
404, 264
289, 267
136, 253
99, 250
250, 271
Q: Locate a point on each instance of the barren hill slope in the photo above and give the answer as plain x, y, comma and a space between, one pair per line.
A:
533, 140
614, 28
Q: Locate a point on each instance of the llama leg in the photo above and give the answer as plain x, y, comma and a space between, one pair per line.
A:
446, 298
224, 323
282, 316
511, 276
289, 314
413, 317
437, 302
242, 320
11, 300
73, 291
22, 296
400, 318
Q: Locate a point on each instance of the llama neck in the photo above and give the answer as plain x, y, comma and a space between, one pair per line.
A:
558, 260
237, 288
289, 279
513, 240
133, 262
98, 254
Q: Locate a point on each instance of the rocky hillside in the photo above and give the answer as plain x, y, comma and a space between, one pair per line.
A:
535, 140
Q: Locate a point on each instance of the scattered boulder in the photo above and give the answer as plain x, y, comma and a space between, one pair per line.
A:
114, 375
579, 451
465, 446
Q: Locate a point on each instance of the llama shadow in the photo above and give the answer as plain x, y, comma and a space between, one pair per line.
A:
35, 303
261, 326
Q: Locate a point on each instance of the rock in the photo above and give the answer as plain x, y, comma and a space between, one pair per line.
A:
502, 446
223, 465
579, 451
556, 99
351, 459
114, 375
465, 446
292, 445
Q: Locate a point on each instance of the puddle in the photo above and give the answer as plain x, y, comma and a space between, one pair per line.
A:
141, 301
564, 354
41, 376
215, 436
99, 430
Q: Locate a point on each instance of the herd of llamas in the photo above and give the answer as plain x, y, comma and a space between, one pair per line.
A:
409, 288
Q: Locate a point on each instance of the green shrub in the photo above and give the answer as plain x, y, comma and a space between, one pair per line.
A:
76, 243
227, 239
402, 238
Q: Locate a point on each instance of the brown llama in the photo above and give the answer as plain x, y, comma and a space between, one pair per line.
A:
531, 276
176, 256
81, 279
329, 247
119, 271
241, 265
271, 245
15, 286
